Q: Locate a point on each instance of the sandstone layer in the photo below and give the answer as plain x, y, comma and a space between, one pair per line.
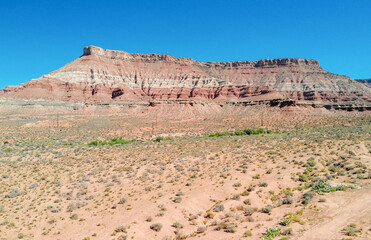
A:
101, 75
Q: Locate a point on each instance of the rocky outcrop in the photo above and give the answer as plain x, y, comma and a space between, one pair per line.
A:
106, 75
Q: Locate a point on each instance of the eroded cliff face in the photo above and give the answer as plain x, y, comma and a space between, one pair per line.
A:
107, 75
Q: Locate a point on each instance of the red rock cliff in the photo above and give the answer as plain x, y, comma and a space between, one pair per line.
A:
107, 75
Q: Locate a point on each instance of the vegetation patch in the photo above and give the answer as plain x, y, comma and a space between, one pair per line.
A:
243, 132
323, 187
113, 141
272, 233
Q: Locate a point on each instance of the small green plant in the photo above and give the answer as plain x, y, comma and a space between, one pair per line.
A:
272, 233
159, 139
285, 222
311, 162
351, 230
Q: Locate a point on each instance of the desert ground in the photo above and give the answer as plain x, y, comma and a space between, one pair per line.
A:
184, 173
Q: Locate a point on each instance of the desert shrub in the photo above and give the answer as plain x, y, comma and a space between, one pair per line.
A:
287, 201
311, 162
285, 222
303, 178
13, 194
122, 237
243, 132
113, 141
71, 207
218, 208
237, 185
236, 196
239, 133
119, 141
159, 139
267, 209
121, 229
307, 197
272, 233
287, 231
8, 150
351, 230
247, 234
55, 210
250, 210
230, 228
179, 235
122, 201
220, 134
201, 229
177, 199
245, 193
177, 225
323, 187
263, 184
250, 188
97, 143
209, 215
156, 227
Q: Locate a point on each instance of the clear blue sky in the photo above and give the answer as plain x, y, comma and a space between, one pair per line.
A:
39, 36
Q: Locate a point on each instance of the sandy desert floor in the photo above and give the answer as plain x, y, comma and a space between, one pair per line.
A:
64, 176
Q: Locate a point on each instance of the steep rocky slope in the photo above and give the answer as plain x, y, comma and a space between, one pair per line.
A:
105, 75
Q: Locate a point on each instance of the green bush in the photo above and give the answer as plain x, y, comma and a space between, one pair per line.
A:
240, 133
351, 230
285, 222
159, 139
113, 141
272, 233
323, 187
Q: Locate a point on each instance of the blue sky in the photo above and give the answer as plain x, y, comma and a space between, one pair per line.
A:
39, 36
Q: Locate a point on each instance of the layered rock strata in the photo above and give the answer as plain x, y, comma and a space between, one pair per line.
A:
106, 75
